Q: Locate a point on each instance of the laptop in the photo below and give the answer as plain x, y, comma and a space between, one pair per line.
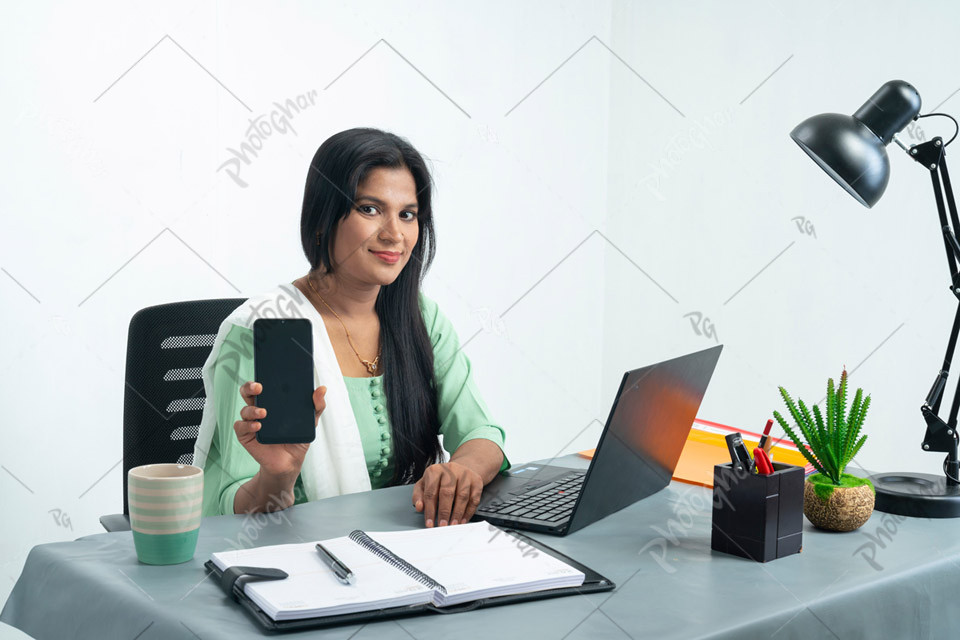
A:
636, 456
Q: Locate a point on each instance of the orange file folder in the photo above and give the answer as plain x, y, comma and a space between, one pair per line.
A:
706, 447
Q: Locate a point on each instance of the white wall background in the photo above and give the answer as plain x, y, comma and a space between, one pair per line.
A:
603, 170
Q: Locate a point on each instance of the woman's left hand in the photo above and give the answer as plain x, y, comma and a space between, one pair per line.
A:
448, 492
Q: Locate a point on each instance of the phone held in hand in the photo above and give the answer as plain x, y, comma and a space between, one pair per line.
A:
283, 364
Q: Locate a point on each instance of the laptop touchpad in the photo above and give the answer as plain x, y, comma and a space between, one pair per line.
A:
519, 480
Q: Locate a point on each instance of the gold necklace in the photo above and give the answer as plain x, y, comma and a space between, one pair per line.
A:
371, 366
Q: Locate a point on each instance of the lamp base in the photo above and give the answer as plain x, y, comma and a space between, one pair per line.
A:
919, 495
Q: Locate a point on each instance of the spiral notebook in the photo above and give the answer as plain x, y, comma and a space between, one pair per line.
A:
403, 572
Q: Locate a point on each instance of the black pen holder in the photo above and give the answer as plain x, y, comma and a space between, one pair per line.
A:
756, 516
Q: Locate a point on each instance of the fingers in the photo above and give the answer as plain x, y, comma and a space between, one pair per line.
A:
418, 495
319, 399
474, 503
249, 391
468, 497
248, 423
446, 496
431, 487
245, 429
252, 413
319, 403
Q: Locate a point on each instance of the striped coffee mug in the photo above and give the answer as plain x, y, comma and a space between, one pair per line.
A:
165, 501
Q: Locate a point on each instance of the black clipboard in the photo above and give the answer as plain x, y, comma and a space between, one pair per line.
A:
234, 578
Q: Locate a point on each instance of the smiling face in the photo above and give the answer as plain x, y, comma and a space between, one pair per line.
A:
384, 220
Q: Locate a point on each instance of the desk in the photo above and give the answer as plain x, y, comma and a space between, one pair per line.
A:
891, 579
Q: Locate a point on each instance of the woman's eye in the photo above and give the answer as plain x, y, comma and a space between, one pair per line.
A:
363, 208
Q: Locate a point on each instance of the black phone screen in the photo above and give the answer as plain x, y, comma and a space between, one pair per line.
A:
283, 364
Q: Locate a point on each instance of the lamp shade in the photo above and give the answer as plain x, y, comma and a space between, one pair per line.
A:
852, 149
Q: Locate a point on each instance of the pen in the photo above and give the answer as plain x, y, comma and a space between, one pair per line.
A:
344, 574
765, 438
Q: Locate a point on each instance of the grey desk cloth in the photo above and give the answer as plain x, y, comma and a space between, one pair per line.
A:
891, 579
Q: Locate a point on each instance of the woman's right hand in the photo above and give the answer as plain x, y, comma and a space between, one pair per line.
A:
278, 460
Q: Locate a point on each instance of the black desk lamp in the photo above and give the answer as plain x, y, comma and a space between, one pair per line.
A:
852, 149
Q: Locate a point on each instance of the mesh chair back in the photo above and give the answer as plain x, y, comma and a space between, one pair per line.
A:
167, 346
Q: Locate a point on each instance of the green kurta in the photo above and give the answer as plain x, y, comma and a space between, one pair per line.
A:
462, 412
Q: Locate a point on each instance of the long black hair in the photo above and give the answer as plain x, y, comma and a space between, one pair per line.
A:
338, 167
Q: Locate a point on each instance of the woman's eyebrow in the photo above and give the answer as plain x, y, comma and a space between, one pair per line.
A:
382, 203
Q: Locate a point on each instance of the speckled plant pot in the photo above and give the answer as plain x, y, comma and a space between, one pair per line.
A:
846, 509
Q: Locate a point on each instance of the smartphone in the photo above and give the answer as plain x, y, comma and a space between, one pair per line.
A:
283, 364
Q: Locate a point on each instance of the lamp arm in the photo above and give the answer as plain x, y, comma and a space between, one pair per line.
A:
940, 435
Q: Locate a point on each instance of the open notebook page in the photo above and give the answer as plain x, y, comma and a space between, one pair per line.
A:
312, 588
478, 560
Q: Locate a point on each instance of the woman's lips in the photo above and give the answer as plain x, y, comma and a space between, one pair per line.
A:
386, 256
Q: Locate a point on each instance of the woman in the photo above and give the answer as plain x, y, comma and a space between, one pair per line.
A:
391, 359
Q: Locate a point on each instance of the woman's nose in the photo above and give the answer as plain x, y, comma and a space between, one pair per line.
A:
391, 229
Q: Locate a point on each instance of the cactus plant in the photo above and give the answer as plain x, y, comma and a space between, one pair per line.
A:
828, 444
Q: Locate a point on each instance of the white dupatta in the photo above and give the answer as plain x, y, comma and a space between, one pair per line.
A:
334, 464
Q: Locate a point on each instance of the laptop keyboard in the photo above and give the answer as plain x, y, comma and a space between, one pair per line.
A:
552, 502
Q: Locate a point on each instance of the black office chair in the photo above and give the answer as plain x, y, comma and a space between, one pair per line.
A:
163, 398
